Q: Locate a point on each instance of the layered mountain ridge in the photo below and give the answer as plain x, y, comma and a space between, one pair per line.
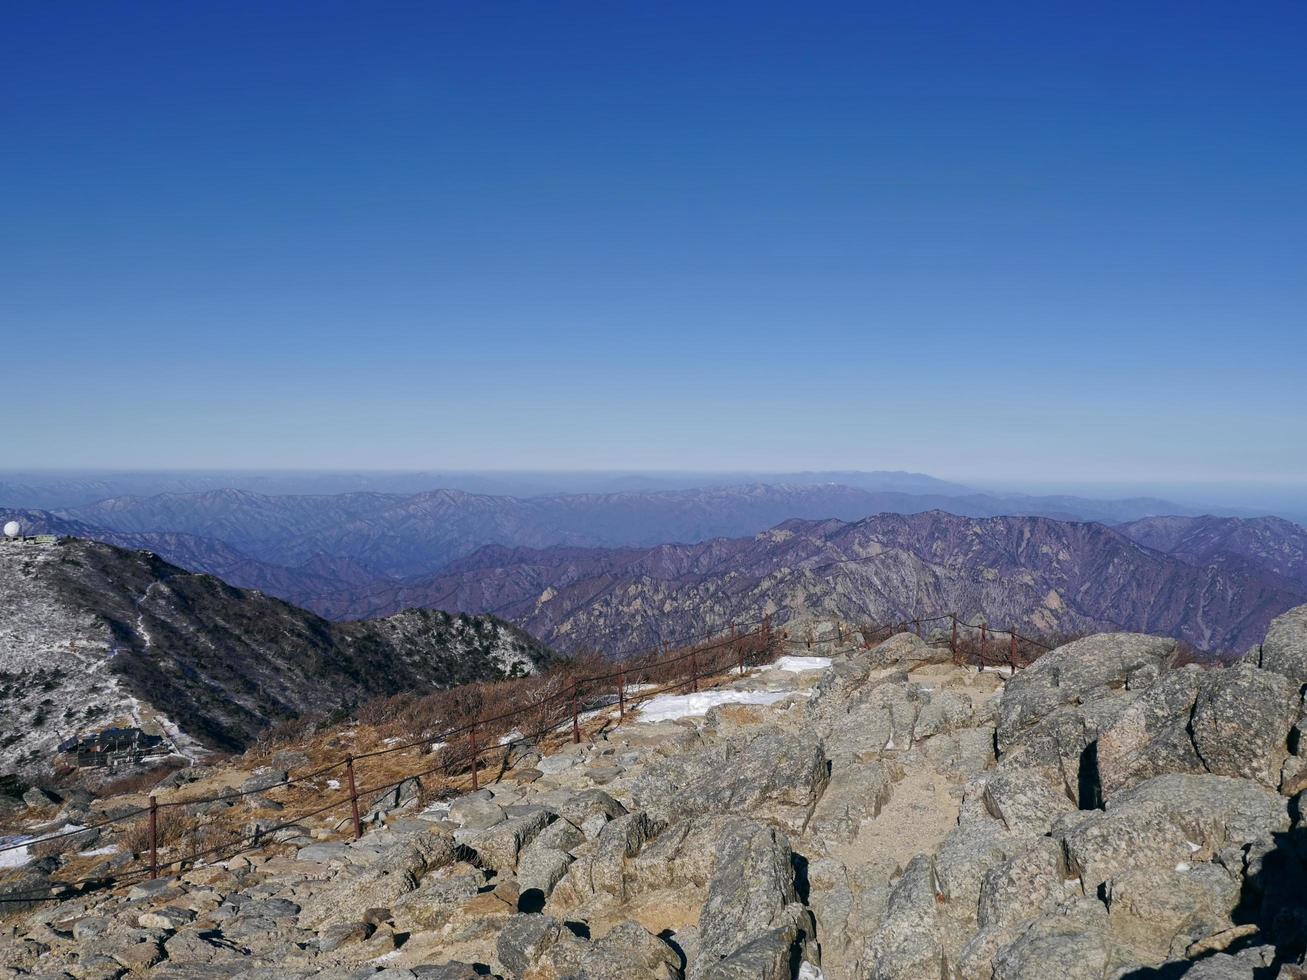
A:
1043, 576
95, 634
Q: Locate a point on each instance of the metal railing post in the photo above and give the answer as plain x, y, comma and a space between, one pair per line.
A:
472, 747
353, 796
953, 641
1012, 651
621, 695
154, 837
694, 671
576, 724
983, 627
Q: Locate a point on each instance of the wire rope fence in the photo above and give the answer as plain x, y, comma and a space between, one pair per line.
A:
465, 755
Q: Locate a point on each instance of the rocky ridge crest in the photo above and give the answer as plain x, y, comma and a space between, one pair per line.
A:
1102, 814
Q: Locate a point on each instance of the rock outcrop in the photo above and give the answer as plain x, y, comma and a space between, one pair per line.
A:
1101, 815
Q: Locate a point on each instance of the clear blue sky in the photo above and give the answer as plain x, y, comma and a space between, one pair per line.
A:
1046, 240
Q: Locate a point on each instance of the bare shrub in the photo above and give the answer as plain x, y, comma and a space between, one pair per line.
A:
177, 827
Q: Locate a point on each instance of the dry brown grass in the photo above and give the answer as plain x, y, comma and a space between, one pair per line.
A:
176, 827
139, 780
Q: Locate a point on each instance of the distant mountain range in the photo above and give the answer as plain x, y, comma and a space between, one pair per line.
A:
93, 634
366, 553
56, 490
397, 536
1045, 576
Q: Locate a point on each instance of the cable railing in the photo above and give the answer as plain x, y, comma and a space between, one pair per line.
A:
463, 751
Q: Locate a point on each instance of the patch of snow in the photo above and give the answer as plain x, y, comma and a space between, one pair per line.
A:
394, 954
809, 972
797, 665
16, 857
390, 741
512, 736
1194, 848
437, 746
99, 851
333, 784
1182, 867
669, 707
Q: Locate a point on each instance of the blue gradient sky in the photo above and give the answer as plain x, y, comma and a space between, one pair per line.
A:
1041, 241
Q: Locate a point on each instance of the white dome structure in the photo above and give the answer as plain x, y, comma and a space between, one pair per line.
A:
12, 529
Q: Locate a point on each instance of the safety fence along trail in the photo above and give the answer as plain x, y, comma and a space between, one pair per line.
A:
464, 757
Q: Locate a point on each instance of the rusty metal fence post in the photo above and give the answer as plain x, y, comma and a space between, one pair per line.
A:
694, 671
154, 837
472, 748
983, 627
353, 796
621, 695
953, 641
1012, 651
576, 723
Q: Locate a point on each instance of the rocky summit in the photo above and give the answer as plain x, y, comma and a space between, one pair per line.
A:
881, 813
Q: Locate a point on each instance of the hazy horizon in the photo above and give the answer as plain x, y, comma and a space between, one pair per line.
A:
1285, 499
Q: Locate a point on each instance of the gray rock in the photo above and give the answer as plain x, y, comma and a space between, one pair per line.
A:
1241, 722
1163, 822
499, 846
337, 934
751, 902
541, 868
775, 774
525, 939
170, 918
579, 807
1220, 810
1024, 801
407, 793
325, 853
1285, 648
35, 796
1023, 885
1092, 667
1152, 735
907, 941
263, 779
944, 712
854, 794
476, 811
25, 889
1160, 912
289, 759
629, 952
1071, 944
448, 971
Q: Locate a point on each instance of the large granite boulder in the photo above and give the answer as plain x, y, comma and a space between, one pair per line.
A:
773, 774
1233, 721
1285, 648
1079, 671
752, 918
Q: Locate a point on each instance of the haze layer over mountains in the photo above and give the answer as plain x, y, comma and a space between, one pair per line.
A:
609, 570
